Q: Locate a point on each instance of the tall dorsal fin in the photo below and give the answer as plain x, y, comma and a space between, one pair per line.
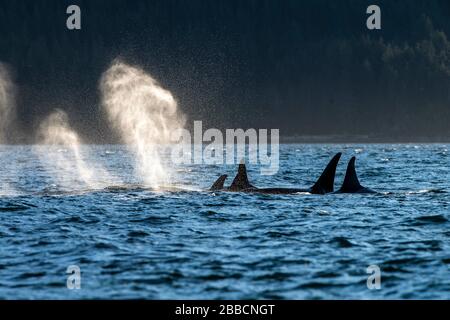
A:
325, 184
241, 182
351, 182
218, 185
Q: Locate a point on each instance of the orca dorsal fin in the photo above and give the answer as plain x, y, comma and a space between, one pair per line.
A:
351, 182
218, 185
241, 182
325, 184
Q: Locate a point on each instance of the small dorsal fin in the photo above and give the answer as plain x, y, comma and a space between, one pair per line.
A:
218, 185
241, 182
351, 182
325, 184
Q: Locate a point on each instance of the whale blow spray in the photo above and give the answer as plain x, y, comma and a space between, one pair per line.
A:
62, 154
144, 114
7, 103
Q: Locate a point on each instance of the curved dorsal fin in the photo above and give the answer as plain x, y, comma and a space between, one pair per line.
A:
218, 185
351, 182
325, 184
241, 182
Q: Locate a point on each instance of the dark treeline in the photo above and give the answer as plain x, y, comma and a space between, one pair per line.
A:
306, 67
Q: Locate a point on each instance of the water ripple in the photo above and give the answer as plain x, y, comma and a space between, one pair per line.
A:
134, 242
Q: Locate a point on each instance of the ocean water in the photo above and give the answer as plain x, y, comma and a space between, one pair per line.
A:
134, 242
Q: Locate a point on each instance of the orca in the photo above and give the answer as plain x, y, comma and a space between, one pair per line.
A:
351, 183
218, 185
324, 185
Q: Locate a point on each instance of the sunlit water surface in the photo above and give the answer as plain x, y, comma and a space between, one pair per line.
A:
132, 242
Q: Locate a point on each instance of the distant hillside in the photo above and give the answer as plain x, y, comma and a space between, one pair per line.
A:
306, 67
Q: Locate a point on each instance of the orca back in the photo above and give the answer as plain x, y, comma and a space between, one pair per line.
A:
241, 182
351, 183
218, 185
325, 184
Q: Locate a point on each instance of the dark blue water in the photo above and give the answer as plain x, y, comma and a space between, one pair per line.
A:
132, 242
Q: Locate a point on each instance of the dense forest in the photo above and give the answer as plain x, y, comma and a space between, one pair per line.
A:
307, 67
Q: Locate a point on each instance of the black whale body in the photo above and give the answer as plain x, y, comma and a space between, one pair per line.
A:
324, 185
351, 183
